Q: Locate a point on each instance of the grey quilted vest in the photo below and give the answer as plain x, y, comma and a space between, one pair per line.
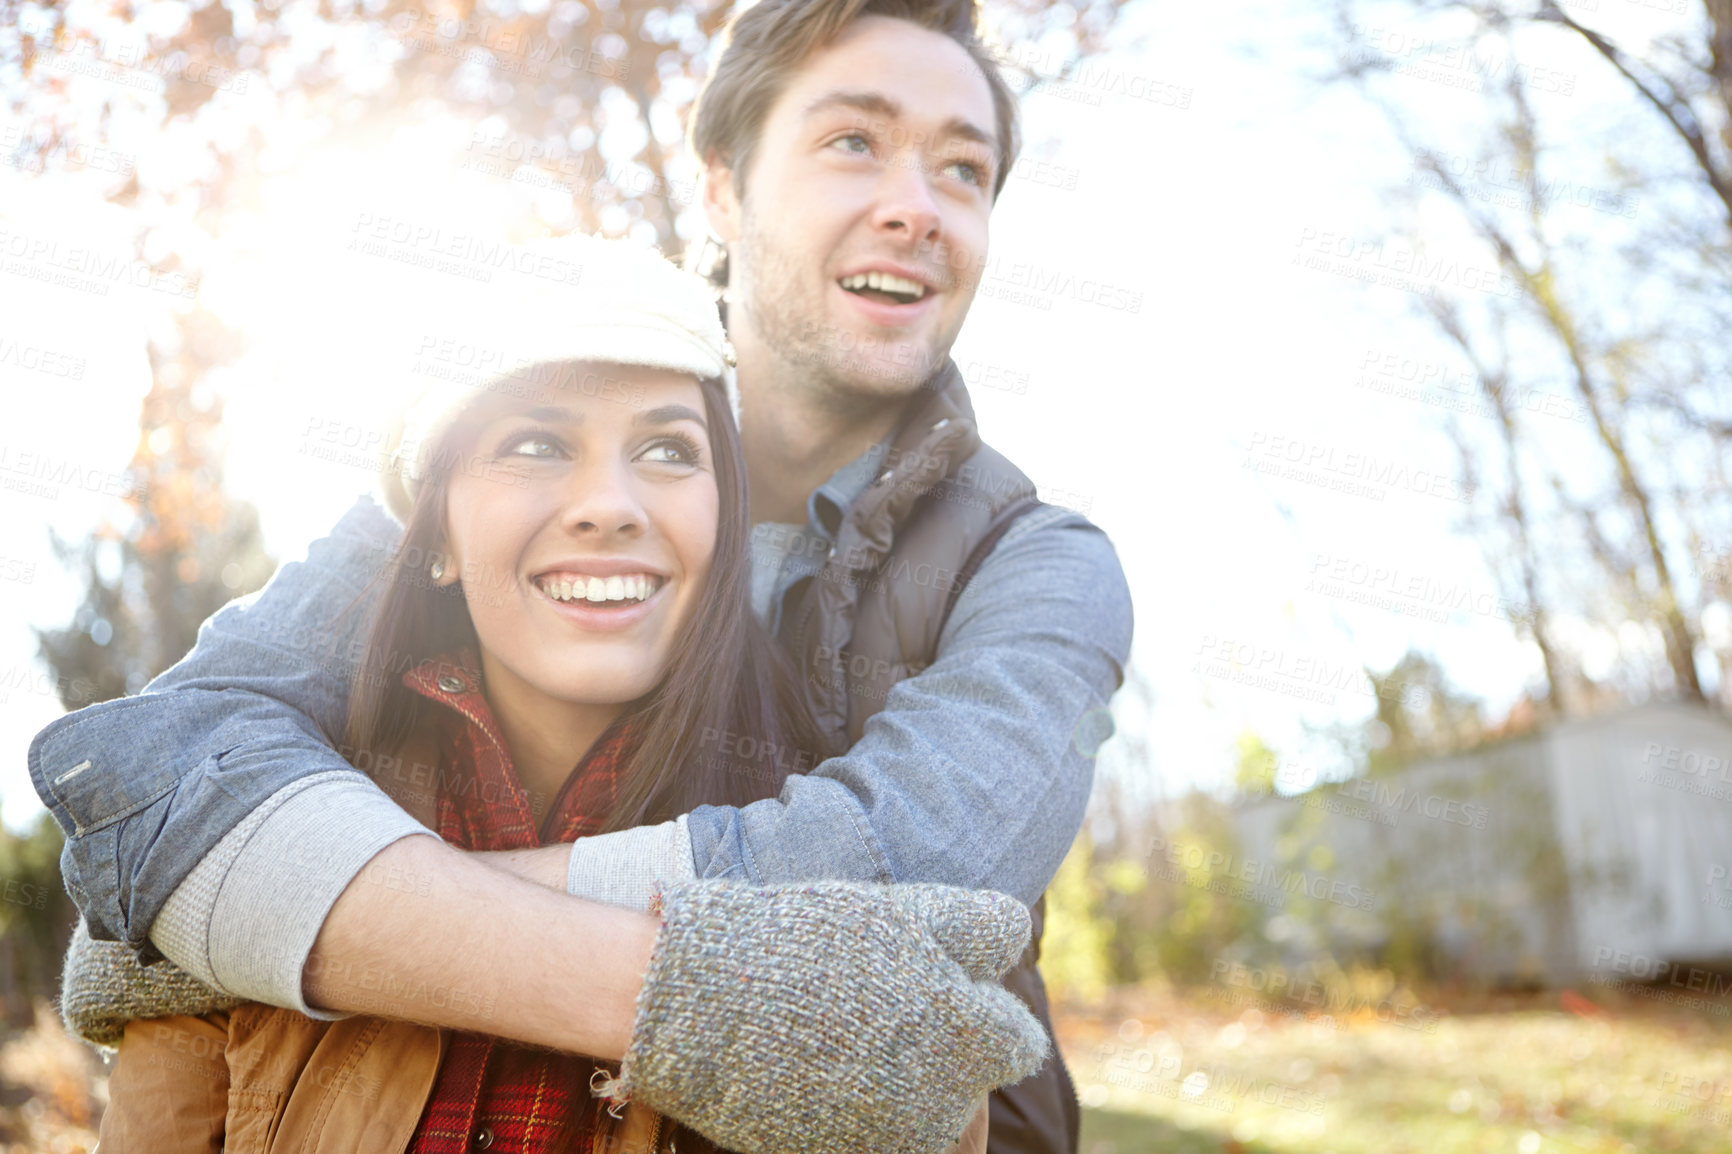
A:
872, 616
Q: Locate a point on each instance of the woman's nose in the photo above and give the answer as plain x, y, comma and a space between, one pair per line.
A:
602, 501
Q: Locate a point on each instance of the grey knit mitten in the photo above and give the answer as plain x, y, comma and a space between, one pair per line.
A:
830, 1017
104, 986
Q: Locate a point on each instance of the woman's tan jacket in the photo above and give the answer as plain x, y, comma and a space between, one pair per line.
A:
259, 1080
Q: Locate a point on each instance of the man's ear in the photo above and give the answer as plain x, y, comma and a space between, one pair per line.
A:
721, 205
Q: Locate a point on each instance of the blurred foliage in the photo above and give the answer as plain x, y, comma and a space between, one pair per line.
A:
176, 551
1077, 940
1419, 714
35, 914
1254, 775
1192, 924
1124, 912
593, 89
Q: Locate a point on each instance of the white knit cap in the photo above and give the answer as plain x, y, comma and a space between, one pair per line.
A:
574, 299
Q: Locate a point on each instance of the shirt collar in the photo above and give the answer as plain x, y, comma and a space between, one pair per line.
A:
829, 503
453, 679
483, 804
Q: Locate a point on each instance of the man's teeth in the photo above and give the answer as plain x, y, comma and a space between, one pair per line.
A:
633, 587
884, 282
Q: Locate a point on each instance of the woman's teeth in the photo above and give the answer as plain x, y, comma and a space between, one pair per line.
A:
632, 587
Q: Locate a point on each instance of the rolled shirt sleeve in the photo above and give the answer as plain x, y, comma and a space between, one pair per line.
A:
245, 919
145, 787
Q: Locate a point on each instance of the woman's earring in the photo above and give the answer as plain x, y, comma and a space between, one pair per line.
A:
437, 572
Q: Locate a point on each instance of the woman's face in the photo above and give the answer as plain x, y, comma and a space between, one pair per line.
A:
582, 523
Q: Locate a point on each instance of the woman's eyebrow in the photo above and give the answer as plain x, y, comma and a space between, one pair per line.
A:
667, 414
549, 413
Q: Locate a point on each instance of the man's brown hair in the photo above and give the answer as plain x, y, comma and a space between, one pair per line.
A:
769, 40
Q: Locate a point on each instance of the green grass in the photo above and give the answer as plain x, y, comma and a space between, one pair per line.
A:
1113, 1132
1528, 1081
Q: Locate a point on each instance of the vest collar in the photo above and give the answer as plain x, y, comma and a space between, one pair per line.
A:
936, 435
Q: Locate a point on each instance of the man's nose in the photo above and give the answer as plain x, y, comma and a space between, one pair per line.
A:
906, 206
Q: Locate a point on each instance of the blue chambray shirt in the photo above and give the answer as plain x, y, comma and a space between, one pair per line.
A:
973, 774
784, 554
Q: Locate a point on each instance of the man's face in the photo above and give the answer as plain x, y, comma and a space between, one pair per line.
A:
857, 245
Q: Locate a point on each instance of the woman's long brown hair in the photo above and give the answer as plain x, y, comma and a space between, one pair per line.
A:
723, 727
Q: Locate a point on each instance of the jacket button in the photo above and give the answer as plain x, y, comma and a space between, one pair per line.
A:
484, 1138
451, 683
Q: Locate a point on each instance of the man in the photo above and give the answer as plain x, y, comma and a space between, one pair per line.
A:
952, 633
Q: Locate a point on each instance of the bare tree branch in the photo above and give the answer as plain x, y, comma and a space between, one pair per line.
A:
1670, 105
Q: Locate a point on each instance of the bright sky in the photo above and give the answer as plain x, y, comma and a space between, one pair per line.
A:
1238, 352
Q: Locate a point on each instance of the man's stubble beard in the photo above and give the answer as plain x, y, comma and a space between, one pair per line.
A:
832, 363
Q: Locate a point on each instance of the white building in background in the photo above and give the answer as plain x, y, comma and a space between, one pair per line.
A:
1597, 849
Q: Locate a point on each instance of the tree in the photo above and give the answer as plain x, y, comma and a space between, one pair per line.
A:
178, 550
584, 98
1610, 235
1419, 714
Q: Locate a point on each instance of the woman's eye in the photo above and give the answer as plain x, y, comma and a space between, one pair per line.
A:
854, 142
671, 452
532, 446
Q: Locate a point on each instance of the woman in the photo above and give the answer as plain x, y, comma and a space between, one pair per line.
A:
571, 589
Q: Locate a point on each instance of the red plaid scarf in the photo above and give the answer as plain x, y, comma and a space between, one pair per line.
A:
530, 1101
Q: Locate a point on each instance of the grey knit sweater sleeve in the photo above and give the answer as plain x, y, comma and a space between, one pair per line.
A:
104, 986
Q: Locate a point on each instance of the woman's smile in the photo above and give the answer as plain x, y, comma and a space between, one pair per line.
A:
606, 590
599, 596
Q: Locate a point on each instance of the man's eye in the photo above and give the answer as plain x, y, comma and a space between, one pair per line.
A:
854, 142
966, 171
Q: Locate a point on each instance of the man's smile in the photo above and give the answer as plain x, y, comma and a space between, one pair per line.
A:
873, 285
890, 293
889, 282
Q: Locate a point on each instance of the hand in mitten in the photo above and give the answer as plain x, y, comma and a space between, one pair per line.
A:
104, 986
830, 1017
